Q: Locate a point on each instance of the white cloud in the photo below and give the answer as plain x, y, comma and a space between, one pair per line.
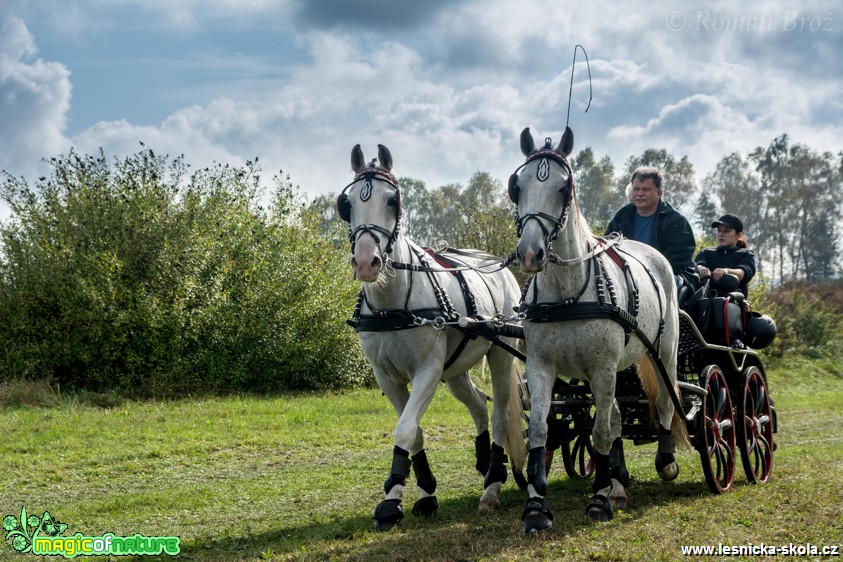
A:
34, 100
448, 96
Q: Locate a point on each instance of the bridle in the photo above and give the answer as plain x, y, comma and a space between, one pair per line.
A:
369, 174
557, 223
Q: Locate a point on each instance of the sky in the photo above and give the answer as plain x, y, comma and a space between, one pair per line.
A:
446, 85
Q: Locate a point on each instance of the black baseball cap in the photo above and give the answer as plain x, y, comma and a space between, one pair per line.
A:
729, 221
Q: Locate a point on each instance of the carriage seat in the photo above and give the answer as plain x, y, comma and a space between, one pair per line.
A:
683, 296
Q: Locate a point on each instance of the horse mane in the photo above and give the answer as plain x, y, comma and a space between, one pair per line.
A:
582, 225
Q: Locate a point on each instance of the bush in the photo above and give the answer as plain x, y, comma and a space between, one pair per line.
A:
809, 317
137, 278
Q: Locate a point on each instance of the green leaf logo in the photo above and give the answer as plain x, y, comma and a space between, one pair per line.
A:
22, 532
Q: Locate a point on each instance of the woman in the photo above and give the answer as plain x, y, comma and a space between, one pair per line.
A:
731, 264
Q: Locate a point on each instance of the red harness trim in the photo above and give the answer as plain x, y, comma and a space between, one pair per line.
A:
612, 253
439, 260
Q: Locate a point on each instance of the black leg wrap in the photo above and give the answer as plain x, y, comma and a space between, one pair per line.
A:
400, 469
388, 513
536, 474
617, 463
482, 452
667, 447
602, 476
599, 508
537, 515
426, 507
424, 477
497, 470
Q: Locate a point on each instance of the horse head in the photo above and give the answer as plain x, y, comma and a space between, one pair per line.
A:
543, 190
371, 205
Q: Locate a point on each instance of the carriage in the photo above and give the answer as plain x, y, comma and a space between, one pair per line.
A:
725, 400
610, 353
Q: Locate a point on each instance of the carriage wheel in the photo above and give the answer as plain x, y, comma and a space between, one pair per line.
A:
755, 434
578, 453
716, 433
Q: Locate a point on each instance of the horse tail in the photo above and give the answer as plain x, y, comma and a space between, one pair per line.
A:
515, 445
649, 382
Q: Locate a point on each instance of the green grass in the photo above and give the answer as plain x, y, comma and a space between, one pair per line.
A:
297, 478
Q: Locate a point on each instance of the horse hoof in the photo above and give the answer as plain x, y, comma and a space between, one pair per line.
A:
489, 502
537, 516
426, 507
617, 496
670, 472
619, 501
388, 513
599, 509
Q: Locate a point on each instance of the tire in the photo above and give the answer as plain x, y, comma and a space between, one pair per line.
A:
755, 427
715, 439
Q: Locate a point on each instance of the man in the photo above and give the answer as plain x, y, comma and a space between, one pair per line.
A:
652, 221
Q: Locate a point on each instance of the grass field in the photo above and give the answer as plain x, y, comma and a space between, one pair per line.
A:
297, 478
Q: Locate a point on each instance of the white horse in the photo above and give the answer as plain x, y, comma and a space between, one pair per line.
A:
590, 307
407, 318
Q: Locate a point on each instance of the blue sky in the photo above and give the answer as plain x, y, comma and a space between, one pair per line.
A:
446, 85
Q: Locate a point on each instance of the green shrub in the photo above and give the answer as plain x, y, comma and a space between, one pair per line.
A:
809, 317
133, 276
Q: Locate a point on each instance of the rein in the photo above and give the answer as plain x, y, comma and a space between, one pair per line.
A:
603, 245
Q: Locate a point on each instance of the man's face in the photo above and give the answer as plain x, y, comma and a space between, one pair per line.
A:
645, 196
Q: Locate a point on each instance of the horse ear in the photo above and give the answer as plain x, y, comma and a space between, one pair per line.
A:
513, 190
566, 145
528, 145
357, 160
385, 157
344, 207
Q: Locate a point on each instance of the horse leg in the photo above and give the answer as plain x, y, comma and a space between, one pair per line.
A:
665, 458
666, 466
504, 428
474, 399
617, 464
605, 433
486, 454
409, 437
537, 515
426, 506
389, 512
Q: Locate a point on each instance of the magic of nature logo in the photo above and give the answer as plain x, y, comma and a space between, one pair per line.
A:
44, 536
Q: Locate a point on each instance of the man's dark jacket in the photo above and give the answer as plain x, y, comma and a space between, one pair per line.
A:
673, 237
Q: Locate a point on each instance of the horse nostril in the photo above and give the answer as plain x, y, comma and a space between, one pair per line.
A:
376, 263
354, 262
540, 255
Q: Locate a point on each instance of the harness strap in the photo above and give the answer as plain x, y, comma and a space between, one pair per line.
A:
404, 319
593, 310
391, 320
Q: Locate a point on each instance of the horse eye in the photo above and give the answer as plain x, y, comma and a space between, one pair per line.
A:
392, 201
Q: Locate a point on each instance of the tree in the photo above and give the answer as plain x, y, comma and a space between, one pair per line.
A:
705, 211
801, 205
595, 185
488, 223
